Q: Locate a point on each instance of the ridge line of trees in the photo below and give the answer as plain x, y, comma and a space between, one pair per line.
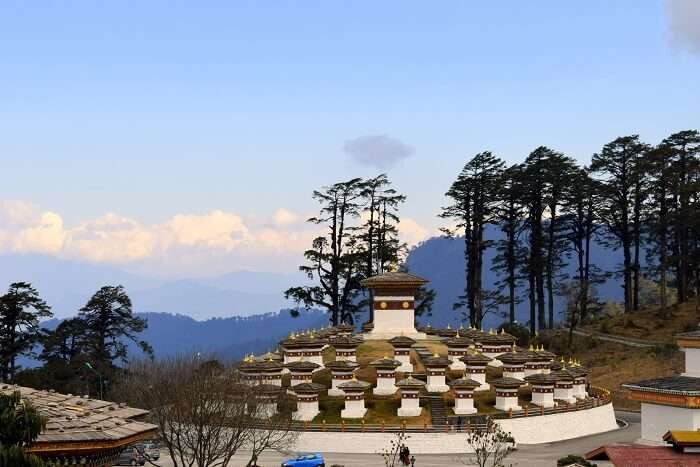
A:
633, 197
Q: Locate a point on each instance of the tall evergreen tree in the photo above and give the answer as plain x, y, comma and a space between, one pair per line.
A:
381, 246
474, 198
580, 218
660, 213
108, 321
684, 151
334, 259
619, 166
560, 170
535, 192
510, 254
21, 308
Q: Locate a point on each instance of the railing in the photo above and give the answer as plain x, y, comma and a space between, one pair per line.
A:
459, 424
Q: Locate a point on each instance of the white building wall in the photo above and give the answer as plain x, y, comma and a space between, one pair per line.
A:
529, 430
658, 419
692, 362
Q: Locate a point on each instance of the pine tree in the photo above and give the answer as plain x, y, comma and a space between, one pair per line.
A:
335, 260
474, 198
21, 308
381, 246
684, 151
510, 254
108, 321
619, 166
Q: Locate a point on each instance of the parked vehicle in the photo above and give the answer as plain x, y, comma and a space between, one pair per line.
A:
131, 456
305, 460
149, 450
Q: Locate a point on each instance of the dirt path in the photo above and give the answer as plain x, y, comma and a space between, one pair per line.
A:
629, 341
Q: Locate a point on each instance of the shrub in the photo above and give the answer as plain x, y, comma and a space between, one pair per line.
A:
517, 330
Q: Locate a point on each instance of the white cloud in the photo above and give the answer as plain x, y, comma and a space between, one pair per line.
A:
110, 238
412, 232
284, 217
212, 242
184, 244
380, 151
684, 23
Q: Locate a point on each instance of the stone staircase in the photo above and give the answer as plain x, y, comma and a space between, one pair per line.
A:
438, 411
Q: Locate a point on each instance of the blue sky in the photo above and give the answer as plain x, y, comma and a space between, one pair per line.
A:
127, 126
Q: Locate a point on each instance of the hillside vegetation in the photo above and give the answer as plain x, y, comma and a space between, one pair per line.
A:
613, 364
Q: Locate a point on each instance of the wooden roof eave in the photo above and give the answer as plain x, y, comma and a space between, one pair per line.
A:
82, 447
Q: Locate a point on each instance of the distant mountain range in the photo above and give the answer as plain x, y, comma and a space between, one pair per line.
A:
240, 312
67, 286
441, 260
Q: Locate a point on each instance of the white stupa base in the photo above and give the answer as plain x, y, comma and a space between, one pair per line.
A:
507, 403
458, 365
513, 374
384, 390
353, 413
409, 411
306, 414
336, 393
437, 388
546, 402
464, 410
386, 335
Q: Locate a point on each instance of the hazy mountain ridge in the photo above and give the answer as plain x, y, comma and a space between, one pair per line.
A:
441, 260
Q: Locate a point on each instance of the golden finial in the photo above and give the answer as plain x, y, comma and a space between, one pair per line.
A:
571, 361
449, 327
531, 349
436, 355
491, 331
503, 331
562, 359
461, 326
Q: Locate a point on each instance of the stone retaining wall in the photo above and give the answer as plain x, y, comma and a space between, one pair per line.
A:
526, 430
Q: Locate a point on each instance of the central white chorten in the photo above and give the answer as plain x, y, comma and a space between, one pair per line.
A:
394, 297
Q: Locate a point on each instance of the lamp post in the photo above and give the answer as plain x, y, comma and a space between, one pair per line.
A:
99, 376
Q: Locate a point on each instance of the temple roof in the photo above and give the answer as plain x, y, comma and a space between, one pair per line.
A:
394, 279
410, 382
513, 358
386, 362
342, 365
303, 341
268, 365
80, 419
354, 384
500, 338
302, 365
507, 382
541, 378
465, 383
308, 388
472, 333
436, 361
459, 341
476, 359
345, 341
681, 385
563, 374
402, 341
446, 332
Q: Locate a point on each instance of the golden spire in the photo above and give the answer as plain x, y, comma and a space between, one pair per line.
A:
503, 331
531, 349
491, 331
